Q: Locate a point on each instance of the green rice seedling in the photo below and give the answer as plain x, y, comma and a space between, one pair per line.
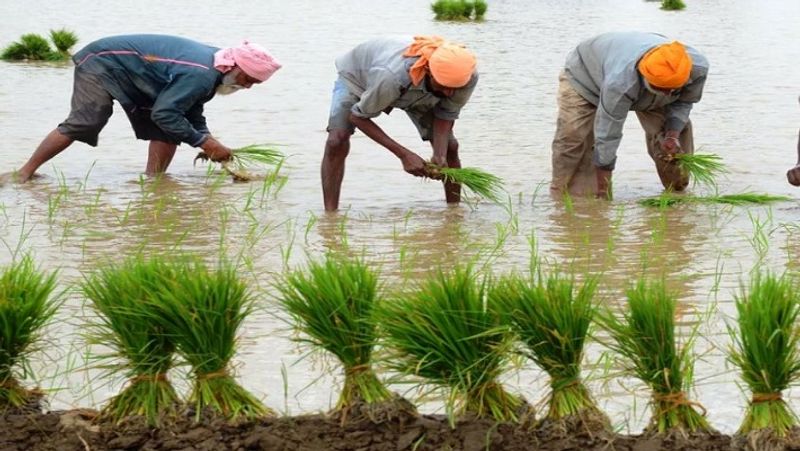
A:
702, 168
644, 336
672, 5
128, 302
480, 9
740, 199
202, 312
63, 40
30, 47
332, 304
551, 315
452, 9
245, 158
765, 350
27, 304
444, 333
479, 182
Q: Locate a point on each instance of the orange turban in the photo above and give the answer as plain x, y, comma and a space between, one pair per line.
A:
666, 66
450, 64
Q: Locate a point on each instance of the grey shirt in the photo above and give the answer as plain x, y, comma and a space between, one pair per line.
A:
377, 72
604, 71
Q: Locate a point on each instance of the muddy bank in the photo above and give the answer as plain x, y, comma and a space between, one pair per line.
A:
78, 430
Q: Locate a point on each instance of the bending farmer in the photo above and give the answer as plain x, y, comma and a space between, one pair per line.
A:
427, 77
162, 83
604, 78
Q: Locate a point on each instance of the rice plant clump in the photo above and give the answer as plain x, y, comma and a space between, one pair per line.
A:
748, 198
249, 157
444, 334
551, 316
479, 182
459, 9
35, 47
644, 336
63, 40
672, 5
702, 168
765, 350
127, 298
202, 313
332, 304
27, 304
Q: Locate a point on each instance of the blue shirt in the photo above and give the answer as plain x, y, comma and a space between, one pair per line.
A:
170, 76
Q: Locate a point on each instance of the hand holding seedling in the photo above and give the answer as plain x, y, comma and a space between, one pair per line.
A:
413, 164
215, 150
670, 145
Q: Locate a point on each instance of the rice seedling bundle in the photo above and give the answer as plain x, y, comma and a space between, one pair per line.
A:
480, 9
443, 333
551, 315
127, 298
672, 5
702, 168
765, 350
644, 336
63, 40
32, 46
479, 182
332, 304
246, 158
747, 198
458, 9
202, 311
27, 304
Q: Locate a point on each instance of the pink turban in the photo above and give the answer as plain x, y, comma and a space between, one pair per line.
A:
253, 59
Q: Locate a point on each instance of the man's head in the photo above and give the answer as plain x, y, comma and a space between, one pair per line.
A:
244, 66
666, 68
445, 65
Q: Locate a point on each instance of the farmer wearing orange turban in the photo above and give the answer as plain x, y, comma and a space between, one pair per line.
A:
162, 83
428, 77
607, 76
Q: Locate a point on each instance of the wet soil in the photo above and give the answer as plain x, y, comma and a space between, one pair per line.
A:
383, 430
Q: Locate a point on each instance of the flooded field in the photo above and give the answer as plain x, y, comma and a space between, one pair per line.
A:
92, 205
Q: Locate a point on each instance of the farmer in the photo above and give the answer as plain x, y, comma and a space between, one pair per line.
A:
429, 78
162, 83
604, 78
794, 174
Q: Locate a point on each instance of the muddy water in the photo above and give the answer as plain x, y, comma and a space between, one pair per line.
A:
91, 205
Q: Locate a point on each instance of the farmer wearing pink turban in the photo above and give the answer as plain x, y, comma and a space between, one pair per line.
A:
162, 83
428, 77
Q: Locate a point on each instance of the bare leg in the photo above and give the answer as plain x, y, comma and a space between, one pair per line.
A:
671, 176
50, 146
159, 157
452, 191
337, 147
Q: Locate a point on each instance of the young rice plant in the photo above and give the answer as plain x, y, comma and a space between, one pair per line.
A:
644, 335
702, 168
479, 182
765, 349
246, 158
443, 333
127, 298
749, 198
551, 315
332, 304
202, 312
672, 5
27, 305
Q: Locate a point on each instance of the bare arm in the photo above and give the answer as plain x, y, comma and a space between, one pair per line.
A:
441, 136
412, 163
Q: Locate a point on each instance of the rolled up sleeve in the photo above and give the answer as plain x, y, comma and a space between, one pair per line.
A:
173, 107
612, 110
677, 113
382, 90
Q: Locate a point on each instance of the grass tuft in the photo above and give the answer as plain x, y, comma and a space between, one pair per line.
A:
127, 300
479, 182
551, 315
765, 349
644, 336
445, 334
202, 312
27, 305
332, 304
